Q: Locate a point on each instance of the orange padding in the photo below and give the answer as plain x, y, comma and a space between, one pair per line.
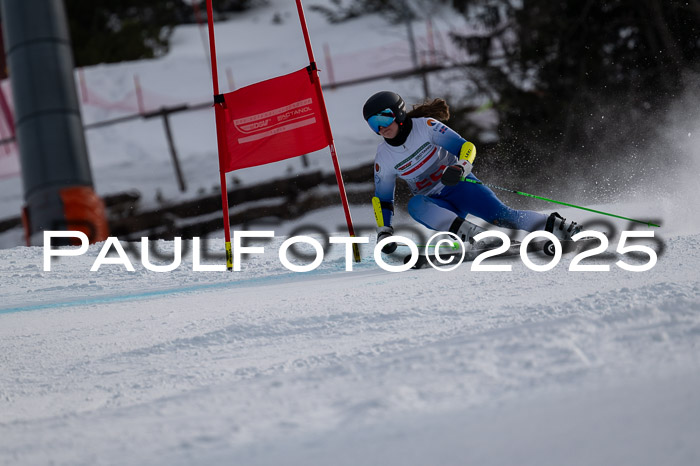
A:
84, 211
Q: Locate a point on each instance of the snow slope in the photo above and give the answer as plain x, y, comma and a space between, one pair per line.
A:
267, 367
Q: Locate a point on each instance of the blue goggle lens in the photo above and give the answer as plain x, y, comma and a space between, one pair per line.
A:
383, 119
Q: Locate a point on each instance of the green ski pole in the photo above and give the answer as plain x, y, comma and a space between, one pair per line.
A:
562, 203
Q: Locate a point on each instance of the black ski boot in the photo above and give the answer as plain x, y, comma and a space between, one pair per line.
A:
557, 225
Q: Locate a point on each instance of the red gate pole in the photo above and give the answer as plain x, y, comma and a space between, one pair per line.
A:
313, 72
219, 105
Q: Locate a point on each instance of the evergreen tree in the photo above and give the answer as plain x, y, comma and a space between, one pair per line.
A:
117, 30
580, 81
107, 31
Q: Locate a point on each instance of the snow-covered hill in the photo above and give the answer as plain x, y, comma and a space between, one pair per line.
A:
266, 366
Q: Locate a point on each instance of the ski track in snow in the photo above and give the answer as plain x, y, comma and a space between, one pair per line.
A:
240, 364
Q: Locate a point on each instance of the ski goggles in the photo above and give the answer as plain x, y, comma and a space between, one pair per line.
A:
381, 119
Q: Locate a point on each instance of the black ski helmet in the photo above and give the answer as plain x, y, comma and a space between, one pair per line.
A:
383, 100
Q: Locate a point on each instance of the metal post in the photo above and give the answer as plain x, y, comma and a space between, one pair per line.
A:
173, 153
165, 112
329, 65
56, 175
412, 44
229, 78
139, 94
84, 94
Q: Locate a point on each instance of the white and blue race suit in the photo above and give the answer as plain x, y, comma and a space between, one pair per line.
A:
430, 147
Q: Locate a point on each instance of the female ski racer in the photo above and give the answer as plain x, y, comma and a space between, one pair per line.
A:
434, 160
